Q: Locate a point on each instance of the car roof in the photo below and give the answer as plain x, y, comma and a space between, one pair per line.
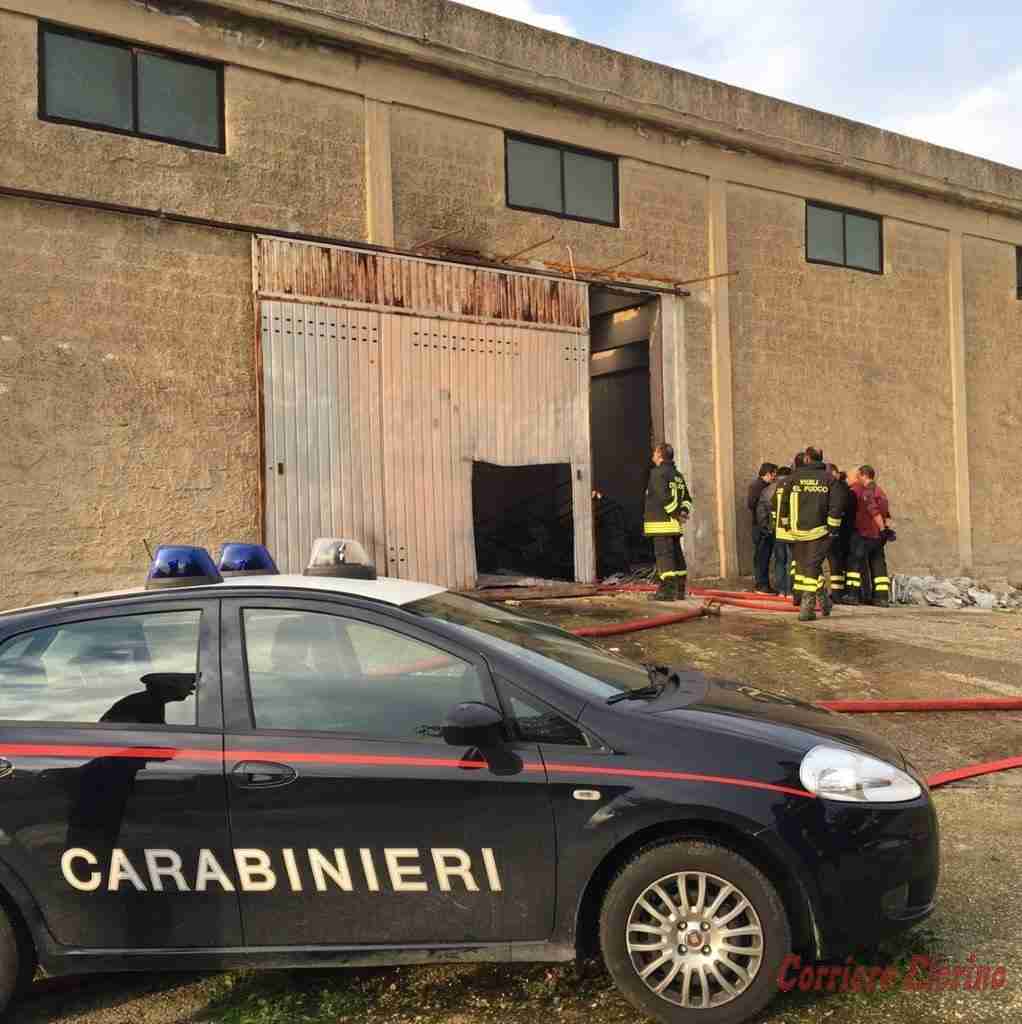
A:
385, 589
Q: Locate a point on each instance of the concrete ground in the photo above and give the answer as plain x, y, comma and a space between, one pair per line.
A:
857, 653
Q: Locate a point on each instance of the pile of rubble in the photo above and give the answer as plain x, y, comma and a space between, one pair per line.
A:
956, 592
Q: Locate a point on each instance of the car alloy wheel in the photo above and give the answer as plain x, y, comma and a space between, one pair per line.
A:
694, 933
695, 939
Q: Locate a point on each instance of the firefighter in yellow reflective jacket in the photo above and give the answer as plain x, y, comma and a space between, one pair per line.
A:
811, 509
668, 505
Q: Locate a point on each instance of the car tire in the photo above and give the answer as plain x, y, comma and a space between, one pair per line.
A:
14, 965
637, 931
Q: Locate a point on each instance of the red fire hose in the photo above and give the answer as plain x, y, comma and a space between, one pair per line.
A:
868, 707
635, 625
987, 768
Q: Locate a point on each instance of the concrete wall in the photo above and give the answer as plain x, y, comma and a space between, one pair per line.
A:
993, 362
856, 363
294, 159
479, 41
798, 350
127, 396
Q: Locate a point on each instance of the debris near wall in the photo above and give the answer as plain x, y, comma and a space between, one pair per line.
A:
956, 592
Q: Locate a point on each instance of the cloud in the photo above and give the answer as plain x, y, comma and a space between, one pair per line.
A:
983, 122
525, 10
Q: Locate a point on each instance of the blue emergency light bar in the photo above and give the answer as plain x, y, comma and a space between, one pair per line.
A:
175, 565
237, 559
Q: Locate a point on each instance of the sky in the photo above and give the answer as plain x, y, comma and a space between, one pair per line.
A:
948, 73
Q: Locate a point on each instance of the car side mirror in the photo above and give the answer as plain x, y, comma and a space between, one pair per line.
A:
474, 724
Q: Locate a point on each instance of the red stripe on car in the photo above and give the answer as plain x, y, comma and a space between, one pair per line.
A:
374, 760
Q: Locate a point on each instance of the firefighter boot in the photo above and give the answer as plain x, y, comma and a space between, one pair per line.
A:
826, 602
807, 607
663, 592
679, 588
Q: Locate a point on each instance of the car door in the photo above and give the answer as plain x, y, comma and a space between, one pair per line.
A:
361, 826
111, 774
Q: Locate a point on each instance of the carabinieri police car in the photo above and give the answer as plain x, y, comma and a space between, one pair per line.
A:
235, 767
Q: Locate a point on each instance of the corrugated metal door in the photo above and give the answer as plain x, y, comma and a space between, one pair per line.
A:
322, 429
455, 393
373, 418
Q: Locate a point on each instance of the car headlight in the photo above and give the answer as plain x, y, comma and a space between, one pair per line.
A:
835, 773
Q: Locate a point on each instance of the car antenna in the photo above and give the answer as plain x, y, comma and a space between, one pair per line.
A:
148, 550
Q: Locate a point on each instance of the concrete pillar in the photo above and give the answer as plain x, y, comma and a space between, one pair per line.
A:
721, 380
379, 174
959, 401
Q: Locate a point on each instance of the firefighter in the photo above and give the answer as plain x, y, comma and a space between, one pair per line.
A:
782, 539
796, 595
872, 531
841, 541
811, 513
668, 505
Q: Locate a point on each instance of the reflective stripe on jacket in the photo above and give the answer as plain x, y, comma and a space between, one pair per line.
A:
779, 531
667, 499
810, 505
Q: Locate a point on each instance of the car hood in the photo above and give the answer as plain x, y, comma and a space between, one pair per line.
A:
748, 710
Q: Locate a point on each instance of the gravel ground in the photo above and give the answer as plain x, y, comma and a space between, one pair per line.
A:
857, 653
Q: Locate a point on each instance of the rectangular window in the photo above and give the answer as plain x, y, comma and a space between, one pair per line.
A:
567, 182
313, 671
844, 238
114, 86
130, 669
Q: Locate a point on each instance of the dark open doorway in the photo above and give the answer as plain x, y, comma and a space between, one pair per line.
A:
523, 520
623, 326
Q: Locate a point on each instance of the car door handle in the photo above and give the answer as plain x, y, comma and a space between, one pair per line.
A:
262, 774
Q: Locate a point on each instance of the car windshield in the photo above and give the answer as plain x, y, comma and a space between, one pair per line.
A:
582, 665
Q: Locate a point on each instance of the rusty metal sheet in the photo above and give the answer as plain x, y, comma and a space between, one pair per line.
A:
315, 273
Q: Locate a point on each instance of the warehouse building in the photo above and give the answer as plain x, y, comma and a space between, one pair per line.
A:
412, 272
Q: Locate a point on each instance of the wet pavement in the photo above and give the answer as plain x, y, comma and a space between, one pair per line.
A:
857, 653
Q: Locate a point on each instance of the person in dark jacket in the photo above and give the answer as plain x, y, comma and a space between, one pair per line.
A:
762, 540
796, 597
766, 519
837, 557
668, 505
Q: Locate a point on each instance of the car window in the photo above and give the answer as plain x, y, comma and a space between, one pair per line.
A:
579, 664
535, 722
311, 670
128, 669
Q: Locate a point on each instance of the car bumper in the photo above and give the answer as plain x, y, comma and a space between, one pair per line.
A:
874, 869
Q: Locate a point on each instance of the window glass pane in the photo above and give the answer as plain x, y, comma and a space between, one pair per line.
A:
106, 670
533, 176
87, 81
580, 664
589, 187
309, 670
178, 100
824, 234
536, 723
862, 241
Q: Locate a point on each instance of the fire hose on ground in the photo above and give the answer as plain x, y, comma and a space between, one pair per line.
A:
769, 602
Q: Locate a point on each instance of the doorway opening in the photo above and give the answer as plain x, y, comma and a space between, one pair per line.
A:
624, 361
523, 520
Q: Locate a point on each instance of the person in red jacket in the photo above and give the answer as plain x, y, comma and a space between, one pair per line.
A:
872, 528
